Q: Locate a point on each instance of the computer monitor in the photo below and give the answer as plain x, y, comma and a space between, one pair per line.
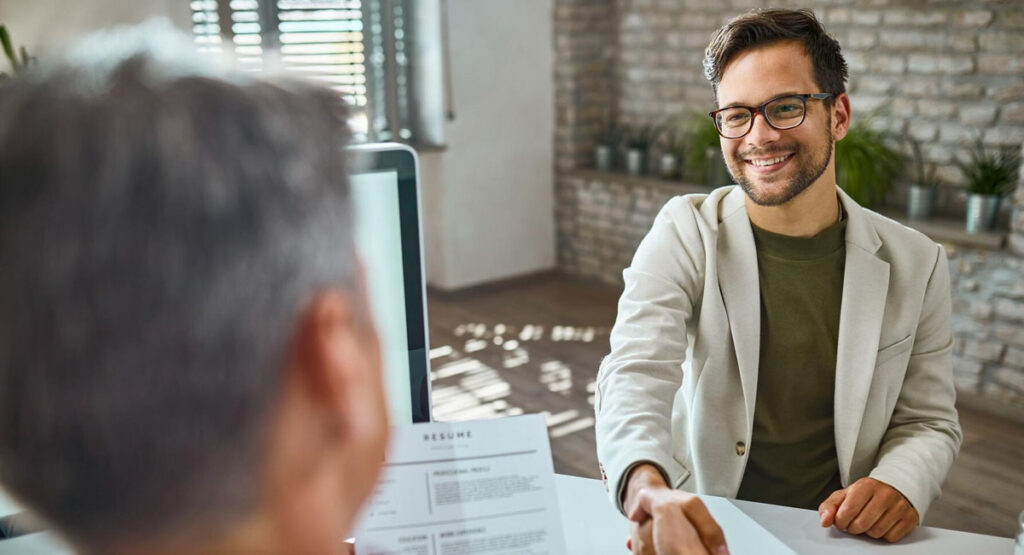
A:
385, 202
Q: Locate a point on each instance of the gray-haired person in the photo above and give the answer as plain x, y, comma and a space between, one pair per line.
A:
187, 361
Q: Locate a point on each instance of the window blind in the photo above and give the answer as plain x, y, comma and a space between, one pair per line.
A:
360, 48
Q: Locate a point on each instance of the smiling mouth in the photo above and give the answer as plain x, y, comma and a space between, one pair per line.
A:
767, 164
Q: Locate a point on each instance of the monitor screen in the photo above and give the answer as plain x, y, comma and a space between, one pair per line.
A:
386, 228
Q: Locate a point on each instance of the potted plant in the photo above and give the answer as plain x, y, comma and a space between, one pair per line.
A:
865, 166
923, 190
672, 152
989, 175
604, 147
703, 162
638, 146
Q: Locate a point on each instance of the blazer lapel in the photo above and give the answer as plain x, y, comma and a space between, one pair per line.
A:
738, 281
865, 286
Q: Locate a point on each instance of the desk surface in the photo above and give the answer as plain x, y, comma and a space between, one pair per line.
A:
593, 527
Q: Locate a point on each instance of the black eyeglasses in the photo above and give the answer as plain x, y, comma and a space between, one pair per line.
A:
782, 112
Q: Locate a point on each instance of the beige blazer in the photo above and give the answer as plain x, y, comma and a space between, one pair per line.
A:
678, 387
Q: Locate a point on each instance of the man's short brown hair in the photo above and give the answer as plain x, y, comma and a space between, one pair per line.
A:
761, 28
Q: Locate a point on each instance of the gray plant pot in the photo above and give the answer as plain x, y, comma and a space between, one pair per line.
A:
636, 161
921, 202
603, 158
668, 166
981, 212
716, 172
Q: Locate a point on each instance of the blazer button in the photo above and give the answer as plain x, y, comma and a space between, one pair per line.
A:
741, 448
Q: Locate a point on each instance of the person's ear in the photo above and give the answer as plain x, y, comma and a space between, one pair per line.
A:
336, 362
840, 116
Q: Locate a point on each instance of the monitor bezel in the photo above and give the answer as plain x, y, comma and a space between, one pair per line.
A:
367, 158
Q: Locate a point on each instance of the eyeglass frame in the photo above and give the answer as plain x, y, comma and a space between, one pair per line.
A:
761, 110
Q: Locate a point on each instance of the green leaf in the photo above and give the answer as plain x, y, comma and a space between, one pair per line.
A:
5, 39
991, 173
701, 134
865, 166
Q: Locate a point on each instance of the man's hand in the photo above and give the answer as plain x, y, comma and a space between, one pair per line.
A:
869, 507
667, 521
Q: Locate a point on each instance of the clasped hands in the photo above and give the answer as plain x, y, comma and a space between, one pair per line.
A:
668, 521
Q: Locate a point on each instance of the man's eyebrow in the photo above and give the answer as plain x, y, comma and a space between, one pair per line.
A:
781, 94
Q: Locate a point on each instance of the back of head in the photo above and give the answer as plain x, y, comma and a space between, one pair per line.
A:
760, 28
159, 229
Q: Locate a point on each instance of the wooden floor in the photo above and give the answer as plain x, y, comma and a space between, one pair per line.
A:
535, 347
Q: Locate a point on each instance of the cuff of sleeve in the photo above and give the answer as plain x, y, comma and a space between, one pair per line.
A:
620, 494
907, 485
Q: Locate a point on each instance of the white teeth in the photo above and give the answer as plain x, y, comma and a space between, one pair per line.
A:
767, 162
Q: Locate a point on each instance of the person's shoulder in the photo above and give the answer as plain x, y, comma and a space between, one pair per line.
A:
903, 243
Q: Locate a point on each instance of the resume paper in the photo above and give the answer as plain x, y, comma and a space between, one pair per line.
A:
465, 488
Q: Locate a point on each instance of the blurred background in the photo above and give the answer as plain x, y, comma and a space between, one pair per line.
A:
550, 132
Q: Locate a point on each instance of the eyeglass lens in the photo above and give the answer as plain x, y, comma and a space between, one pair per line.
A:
782, 113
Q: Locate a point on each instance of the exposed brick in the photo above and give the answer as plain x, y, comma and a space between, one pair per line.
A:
964, 42
837, 16
940, 109
1003, 136
972, 18
1001, 42
977, 114
966, 382
1014, 357
938, 153
981, 310
1012, 112
700, 20
915, 17
888, 64
865, 103
966, 366
1012, 377
903, 107
1001, 394
857, 62
1013, 19
983, 351
904, 39
939, 64
860, 38
919, 86
960, 90
1001, 64
924, 131
1011, 90
1016, 243
1011, 310
875, 85
866, 17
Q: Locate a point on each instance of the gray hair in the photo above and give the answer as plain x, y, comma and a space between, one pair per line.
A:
159, 232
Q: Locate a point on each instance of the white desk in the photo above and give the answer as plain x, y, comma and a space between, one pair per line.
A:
593, 527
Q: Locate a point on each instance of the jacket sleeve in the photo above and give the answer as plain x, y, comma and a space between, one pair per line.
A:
924, 433
637, 382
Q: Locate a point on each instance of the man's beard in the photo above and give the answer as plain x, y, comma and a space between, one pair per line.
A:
807, 172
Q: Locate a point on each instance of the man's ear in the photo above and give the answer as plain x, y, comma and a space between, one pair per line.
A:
331, 360
840, 116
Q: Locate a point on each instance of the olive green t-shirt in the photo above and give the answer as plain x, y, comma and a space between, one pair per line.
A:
792, 456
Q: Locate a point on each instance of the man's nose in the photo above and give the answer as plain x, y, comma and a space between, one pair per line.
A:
762, 133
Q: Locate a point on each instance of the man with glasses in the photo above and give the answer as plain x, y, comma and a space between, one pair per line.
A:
775, 341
